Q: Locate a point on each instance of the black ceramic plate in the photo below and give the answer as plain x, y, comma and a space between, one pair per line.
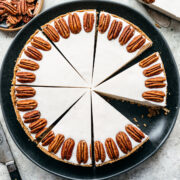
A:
158, 128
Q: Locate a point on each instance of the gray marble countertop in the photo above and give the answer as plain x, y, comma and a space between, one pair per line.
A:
165, 164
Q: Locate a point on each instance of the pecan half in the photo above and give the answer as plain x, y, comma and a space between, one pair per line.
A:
51, 33
62, 27
56, 143
25, 77
33, 53
99, 151
74, 23
25, 105
40, 43
149, 60
111, 148
36, 126
8, 7
28, 64
114, 30
126, 35
26, 19
23, 6
88, 21
123, 142
104, 22
157, 82
25, 92
153, 70
136, 43
67, 149
31, 116
135, 133
156, 96
13, 19
82, 152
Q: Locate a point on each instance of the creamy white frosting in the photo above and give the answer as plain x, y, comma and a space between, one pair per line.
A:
107, 122
110, 55
79, 48
76, 124
53, 102
53, 70
130, 84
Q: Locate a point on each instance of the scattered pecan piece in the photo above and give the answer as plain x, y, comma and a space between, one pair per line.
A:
25, 105
136, 43
149, 60
51, 33
135, 133
25, 92
88, 21
153, 70
149, 1
36, 126
156, 96
126, 35
67, 149
56, 143
123, 142
82, 152
104, 22
25, 77
8, 7
99, 151
115, 29
31, 116
33, 53
157, 82
13, 19
111, 148
74, 23
28, 64
40, 43
62, 27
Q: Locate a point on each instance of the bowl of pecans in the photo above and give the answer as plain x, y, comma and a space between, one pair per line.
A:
14, 14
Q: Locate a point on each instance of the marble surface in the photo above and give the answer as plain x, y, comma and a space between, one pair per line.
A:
165, 164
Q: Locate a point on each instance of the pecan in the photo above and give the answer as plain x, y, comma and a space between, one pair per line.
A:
157, 82
114, 30
25, 105
149, 1
126, 35
111, 148
25, 77
30, 12
25, 92
74, 23
82, 152
62, 27
36, 126
149, 60
67, 149
153, 70
56, 143
2, 11
23, 6
31, 116
136, 43
156, 96
104, 22
8, 7
51, 33
28, 64
123, 142
26, 19
40, 43
14, 19
30, 1
33, 53
135, 133
99, 151
88, 21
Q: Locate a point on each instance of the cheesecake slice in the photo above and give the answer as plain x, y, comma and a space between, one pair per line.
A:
76, 39
72, 135
40, 64
38, 107
118, 43
143, 83
115, 137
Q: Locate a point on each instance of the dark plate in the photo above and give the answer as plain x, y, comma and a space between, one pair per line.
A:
158, 128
